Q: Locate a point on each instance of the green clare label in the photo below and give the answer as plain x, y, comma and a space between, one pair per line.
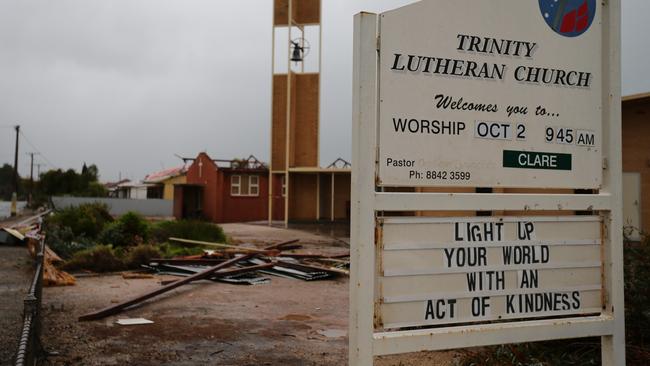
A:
536, 160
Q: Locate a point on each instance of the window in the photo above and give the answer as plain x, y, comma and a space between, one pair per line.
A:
284, 185
253, 185
245, 185
235, 185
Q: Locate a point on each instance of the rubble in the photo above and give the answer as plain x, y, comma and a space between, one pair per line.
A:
28, 233
235, 264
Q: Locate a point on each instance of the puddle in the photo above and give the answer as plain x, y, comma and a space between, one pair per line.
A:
296, 317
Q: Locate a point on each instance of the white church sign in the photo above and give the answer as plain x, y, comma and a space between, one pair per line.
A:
486, 93
491, 94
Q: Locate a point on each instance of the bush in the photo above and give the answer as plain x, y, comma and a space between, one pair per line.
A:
101, 258
64, 242
142, 254
187, 229
129, 230
87, 220
95, 189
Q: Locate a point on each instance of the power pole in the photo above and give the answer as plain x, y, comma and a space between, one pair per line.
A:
14, 197
38, 170
31, 176
16, 161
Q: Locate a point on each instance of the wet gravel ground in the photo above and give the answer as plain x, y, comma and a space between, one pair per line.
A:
16, 271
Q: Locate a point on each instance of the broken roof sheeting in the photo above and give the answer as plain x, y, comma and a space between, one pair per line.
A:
163, 175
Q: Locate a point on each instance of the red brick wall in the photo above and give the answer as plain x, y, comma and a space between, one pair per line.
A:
206, 175
220, 206
244, 208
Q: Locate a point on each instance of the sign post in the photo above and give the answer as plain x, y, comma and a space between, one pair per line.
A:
503, 94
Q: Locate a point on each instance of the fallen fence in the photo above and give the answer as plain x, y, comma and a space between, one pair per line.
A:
30, 349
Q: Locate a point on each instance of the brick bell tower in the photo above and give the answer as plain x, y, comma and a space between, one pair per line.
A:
296, 60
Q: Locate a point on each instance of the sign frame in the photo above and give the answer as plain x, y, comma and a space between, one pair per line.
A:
368, 200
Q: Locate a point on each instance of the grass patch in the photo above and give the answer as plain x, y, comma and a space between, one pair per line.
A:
171, 250
187, 229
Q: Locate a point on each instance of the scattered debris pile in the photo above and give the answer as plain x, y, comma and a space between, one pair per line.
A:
53, 276
275, 259
235, 264
28, 232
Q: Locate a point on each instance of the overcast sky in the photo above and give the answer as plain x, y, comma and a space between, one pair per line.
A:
126, 84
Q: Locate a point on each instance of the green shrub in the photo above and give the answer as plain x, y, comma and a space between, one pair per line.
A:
134, 225
129, 230
95, 189
141, 254
100, 258
65, 243
187, 229
171, 250
87, 220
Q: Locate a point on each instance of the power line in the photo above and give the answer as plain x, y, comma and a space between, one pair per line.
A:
38, 151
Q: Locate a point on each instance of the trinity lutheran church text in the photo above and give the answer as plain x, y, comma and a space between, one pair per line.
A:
486, 70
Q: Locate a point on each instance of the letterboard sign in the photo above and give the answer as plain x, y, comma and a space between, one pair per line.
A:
462, 270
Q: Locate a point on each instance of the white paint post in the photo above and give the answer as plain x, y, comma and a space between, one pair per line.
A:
613, 346
362, 255
273, 28
287, 126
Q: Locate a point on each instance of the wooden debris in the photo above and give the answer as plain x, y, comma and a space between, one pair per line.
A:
186, 261
55, 277
136, 275
52, 276
316, 267
238, 249
119, 307
281, 244
15, 233
229, 273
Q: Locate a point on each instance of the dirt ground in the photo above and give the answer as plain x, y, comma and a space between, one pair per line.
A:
286, 322
16, 271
